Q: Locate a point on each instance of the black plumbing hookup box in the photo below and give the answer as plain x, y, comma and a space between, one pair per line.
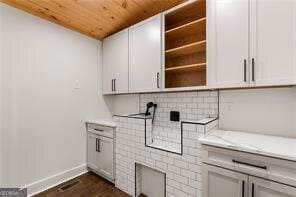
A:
175, 116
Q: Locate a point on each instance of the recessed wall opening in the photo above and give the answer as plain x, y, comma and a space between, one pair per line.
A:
167, 139
149, 182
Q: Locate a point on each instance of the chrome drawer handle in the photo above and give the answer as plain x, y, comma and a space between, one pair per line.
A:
99, 130
248, 164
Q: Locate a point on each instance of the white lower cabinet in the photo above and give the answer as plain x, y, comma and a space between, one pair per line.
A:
93, 156
220, 182
264, 188
106, 154
223, 183
100, 152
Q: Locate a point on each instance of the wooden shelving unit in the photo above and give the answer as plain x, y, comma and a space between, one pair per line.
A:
186, 27
201, 66
185, 46
187, 49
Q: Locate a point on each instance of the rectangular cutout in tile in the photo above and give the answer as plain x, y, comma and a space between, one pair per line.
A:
149, 182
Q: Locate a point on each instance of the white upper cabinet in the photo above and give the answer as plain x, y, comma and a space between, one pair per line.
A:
145, 55
273, 42
228, 32
249, 43
115, 63
252, 42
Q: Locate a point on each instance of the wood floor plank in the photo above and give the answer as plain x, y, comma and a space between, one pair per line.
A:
91, 185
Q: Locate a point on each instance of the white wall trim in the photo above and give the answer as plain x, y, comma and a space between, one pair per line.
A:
51, 181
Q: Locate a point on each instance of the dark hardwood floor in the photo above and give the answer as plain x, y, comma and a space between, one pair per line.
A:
86, 185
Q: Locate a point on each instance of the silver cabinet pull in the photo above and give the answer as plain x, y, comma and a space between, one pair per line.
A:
101, 130
115, 85
99, 143
243, 188
112, 85
245, 70
253, 190
157, 78
248, 164
253, 69
96, 144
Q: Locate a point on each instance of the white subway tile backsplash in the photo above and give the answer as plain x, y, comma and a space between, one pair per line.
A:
183, 172
191, 105
181, 164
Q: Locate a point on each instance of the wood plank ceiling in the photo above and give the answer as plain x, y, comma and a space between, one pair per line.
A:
95, 18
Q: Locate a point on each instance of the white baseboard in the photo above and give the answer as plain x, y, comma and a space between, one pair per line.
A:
51, 181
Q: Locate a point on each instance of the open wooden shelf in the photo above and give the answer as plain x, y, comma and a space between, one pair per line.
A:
187, 26
194, 32
191, 76
190, 59
185, 46
198, 66
186, 14
187, 49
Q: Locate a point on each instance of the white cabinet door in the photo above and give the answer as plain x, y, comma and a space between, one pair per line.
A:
264, 188
145, 55
93, 156
219, 182
273, 41
228, 51
106, 151
115, 63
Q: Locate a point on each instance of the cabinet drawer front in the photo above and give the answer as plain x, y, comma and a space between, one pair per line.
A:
100, 130
261, 166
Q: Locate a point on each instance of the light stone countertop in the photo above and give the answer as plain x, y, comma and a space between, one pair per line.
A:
102, 121
201, 121
267, 145
134, 115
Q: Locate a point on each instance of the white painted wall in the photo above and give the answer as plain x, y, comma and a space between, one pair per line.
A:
266, 111
2, 121
123, 104
50, 83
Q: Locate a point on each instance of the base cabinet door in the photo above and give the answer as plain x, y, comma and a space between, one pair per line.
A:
219, 182
106, 162
264, 188
93, 155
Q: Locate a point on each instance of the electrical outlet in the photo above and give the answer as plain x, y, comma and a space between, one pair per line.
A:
77, 85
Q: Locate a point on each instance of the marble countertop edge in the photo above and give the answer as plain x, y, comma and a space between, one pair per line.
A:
279, 147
